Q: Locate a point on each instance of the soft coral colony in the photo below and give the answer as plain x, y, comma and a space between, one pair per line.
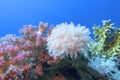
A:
63, 52
19, 54
68, 40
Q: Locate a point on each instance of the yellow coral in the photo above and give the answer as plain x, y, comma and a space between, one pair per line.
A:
115, 47
107, 40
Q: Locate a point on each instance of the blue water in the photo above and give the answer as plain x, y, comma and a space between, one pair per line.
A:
16, 13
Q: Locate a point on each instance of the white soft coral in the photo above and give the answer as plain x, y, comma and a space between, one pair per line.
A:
102, 65
67, 39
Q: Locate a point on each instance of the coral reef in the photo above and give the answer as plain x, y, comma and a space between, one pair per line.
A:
106, 50
63, 52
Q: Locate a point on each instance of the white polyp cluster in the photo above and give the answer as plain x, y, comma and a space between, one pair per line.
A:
67, 39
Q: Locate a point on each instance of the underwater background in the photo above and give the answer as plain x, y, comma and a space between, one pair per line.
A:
16, 13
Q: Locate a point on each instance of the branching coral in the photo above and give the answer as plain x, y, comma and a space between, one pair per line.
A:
107, 40
106, 50
24, 49
115, 44
40, 54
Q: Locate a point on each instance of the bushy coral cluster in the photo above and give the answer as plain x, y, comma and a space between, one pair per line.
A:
13, 73
106, 50
68, 40
106, 66
107, 39
63, 52
27, 49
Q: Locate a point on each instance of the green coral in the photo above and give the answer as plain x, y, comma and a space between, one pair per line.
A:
114, 48
107, 40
